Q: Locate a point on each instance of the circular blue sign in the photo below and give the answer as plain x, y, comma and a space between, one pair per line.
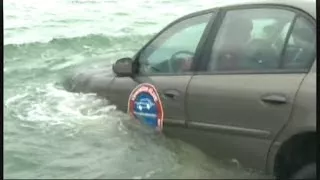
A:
145, 105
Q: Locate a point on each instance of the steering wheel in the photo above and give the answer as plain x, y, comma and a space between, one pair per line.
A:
174, 61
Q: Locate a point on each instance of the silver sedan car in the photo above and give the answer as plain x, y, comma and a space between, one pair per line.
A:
237, 81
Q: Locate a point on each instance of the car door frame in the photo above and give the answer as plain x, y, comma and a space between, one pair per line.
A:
143, 78
208, 44
205, 59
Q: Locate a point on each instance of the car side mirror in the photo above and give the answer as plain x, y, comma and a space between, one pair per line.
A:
123, 67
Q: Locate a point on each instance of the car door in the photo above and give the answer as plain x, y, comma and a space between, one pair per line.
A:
166, 62
246, 90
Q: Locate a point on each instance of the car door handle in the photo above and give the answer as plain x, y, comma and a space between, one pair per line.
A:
274, 99
171, 93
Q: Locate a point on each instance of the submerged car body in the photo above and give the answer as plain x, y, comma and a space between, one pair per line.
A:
248, 91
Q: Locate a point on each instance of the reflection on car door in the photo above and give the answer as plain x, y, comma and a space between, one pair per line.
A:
158, 65
246, 95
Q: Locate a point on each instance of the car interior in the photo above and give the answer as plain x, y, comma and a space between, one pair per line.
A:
259, 42
172, 52
250, 47
301, 49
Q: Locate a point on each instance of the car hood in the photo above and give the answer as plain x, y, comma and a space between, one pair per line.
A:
89, 81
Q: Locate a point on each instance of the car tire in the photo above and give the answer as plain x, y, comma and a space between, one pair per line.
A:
308, 171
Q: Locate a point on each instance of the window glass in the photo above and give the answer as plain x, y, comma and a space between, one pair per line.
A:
173, 50
301, 49
250, 39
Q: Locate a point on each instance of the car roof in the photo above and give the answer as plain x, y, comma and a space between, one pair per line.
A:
308, 6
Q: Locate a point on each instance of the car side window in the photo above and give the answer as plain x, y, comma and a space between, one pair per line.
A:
248, 40
173, 50
301, 49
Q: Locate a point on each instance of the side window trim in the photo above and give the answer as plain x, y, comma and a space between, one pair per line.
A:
204, 60
199, 48
286, 41
207, 50
203, 40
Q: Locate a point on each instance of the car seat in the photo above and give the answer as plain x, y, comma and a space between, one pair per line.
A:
235, 39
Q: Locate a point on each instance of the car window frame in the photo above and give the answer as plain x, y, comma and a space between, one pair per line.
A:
206, 58
199, 48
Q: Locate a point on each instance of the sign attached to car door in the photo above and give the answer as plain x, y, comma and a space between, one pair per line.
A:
145, 105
